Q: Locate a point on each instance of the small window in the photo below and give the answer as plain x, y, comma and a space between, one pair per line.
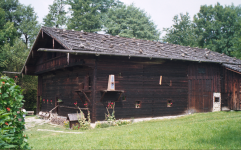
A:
138, 104
216, 99
169, 103
201, 70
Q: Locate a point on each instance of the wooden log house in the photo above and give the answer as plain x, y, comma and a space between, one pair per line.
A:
142, 78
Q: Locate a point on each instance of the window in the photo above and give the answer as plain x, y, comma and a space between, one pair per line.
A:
216, 99
201, 70
169, 103
124, 98
138, 104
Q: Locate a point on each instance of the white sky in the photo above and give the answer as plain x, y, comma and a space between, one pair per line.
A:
161, 11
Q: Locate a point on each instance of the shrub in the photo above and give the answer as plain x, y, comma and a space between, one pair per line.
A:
84, 124
110, 117
111, 121
75, 127
66, 124
11, 115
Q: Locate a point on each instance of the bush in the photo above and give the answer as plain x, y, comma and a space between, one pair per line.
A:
11, 115
75, 127
84, 124
66, 124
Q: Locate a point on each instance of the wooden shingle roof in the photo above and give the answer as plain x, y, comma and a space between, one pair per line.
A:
232, 67
99, 44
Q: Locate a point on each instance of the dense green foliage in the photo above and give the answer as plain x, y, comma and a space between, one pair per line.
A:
18, 29
30, 100
57, 14
214, 130
89, 15
29, 26
182, 31
214, 27
11, 122
85, 16
130, 21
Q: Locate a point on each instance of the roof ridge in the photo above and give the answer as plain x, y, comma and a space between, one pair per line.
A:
109, 44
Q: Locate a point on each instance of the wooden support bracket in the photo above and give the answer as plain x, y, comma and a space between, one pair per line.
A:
116, 91
84, 92
102, 96
86, 97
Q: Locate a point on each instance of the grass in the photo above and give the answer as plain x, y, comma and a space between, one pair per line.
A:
216, 130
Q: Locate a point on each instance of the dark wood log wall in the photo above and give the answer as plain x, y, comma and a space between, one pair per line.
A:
231, 90
188, 86
63, 86
61, 83
139, 78
203, 80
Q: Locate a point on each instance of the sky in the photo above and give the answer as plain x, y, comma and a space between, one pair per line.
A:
161, 11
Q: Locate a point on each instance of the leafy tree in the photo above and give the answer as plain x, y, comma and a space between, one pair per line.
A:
105, 5
23, 17
13, 57
89, 15
7, 30
12, 13
216, 28
85, 16
29, 25
237, 41
182, 31
57, 14
130, 21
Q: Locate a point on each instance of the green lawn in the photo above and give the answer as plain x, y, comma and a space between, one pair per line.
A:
218, 130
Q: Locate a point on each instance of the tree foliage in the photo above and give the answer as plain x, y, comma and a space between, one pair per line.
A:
85, 16
11, 122
12, 11
18, 28
182, 31
216, 28
89, 15
57, 14
130, 21
29, 26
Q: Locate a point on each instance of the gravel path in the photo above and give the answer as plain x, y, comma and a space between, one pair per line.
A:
31, 122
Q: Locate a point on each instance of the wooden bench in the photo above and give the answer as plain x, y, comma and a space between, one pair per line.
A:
30, 112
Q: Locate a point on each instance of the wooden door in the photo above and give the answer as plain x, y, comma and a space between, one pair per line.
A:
200, 95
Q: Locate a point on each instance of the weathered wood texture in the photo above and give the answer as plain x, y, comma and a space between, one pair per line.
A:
231, 90
63, 84
139, 78
189, 86
203, 81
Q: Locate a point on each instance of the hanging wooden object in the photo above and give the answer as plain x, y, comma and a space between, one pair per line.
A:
111, 83
160, 82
